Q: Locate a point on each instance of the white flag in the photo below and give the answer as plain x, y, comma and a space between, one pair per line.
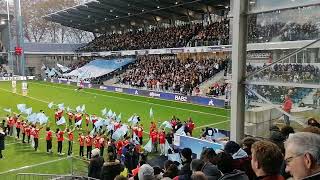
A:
61, 121
151, 113
78, 123
7, 110
50, 105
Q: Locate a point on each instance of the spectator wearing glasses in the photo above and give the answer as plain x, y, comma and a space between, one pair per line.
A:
303, 156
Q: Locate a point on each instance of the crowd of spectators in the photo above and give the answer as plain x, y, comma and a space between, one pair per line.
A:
219, 89
281, 32
160, 37
285, 154
297, 73
3, 72
174, 75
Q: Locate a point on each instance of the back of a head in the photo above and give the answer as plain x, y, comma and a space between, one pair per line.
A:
198, 175
196, 165
268, 156
224, 162
146, 172
246, 144
172, 171
231, 147
286, 130
186, 153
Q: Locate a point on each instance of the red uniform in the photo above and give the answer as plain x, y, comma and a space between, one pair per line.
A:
89, 141
101, 141
36, 133
81, 140
96, 142
70, 136
60, 136
140, 132
56, 115
18, 124
70, 115
94, 119
135, 130
78, 117
119, 146
23, 127
116, 126
28, 130
48, 136
154, 137
162, 138
11, 122
287, 105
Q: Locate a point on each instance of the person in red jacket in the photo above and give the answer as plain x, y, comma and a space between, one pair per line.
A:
287, 106
70, 140
28, 132
153, 126
18, 128
81, 140
102, 142
119, 146
70, 117
96, 142
23, 131
49, 140
89, 141
190, 126
60, 138
162, 141
140, 133
36, 132
154, 140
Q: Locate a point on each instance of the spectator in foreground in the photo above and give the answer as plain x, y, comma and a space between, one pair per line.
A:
146, 172
209, 168
303, 155
266, 160
186, 158
2, 138
96, 162
198, 175
224, 164
111, 169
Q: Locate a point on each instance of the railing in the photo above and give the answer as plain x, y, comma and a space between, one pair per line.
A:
35, 176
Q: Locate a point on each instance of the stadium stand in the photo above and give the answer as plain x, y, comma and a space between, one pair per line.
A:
180, 36
174, 75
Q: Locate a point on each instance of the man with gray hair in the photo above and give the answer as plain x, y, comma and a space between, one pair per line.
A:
302, 156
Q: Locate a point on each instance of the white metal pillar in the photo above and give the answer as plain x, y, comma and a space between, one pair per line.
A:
239, 47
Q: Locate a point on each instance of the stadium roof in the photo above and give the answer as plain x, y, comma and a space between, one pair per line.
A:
48, 48
108, 15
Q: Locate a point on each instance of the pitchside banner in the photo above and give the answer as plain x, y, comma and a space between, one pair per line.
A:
214, 102
197, 145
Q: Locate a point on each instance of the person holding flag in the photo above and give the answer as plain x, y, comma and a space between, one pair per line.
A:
49, 140
140, 133
87, 117
190, 126
60, 139
89, 141
77, 118
154, 140
96, 142
102, 142
56, 115
162, 141
81, 140
18, 127
153, 126
28, 132
70, 117
23, 130
36, 132
70, 140
94, 119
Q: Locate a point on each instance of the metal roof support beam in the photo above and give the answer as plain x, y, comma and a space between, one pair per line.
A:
239, 46
209, 16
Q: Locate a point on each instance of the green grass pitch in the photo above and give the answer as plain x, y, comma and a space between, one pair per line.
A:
18, 156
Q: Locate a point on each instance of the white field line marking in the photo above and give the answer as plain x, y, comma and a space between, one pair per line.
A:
132, 100
20, 142
208, 125
31, 166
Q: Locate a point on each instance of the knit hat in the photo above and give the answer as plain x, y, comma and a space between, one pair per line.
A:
146, 172
95, 152
186, 153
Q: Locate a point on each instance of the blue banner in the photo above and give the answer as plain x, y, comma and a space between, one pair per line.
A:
206, 101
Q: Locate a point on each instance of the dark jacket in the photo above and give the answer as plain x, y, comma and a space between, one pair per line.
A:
235, 175
2, 136
211, 171
94, 169
273, 177
110, 170
185, 171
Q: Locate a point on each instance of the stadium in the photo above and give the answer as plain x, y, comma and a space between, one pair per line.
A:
160, 89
